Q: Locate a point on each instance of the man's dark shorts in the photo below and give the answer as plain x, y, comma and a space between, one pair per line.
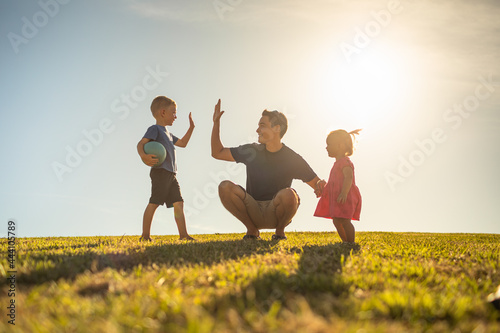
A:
164, 187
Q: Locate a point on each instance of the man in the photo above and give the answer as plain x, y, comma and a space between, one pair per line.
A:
268, 201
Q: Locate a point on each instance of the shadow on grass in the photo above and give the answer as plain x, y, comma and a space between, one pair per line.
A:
52, 267
318, 280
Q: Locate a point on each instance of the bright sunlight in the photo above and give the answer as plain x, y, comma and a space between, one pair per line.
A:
367, 90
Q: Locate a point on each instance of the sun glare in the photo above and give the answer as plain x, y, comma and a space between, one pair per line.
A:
367, 90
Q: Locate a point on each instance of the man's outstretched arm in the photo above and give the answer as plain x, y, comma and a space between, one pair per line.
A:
218, 150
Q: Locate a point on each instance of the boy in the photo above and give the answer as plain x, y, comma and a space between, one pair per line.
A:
164, 185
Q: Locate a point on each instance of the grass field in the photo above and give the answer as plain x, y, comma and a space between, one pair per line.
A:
389, 282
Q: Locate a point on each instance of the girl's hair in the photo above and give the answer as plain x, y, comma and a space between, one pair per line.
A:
344, 137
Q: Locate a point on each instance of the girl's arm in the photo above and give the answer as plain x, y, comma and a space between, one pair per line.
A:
346, 185
185, 139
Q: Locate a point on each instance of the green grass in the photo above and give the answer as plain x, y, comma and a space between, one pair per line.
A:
390, 282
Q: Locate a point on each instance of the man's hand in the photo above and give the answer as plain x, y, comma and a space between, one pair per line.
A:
320, 185
149, 159
217, 112
219, 152
316, 185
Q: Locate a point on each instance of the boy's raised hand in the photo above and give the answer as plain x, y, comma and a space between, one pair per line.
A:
217, 112
191, 122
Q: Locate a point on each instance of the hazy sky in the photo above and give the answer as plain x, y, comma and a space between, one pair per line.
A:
422, 78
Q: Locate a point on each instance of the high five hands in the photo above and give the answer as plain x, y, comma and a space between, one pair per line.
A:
191, 122
217, 112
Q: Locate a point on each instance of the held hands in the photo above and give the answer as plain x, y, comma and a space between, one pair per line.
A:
217, 112
320, 185
149, 159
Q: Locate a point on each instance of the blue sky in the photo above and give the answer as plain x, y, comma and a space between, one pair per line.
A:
77, 77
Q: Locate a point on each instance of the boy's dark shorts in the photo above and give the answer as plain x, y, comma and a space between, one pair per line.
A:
164, 187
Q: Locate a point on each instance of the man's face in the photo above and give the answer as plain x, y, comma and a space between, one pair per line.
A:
266, 131
170, 114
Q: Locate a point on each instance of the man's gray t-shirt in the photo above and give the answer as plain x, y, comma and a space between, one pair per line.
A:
267, 172
162, 135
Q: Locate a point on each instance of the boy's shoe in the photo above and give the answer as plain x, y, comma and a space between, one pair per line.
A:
247, 237
142, 239
278, 238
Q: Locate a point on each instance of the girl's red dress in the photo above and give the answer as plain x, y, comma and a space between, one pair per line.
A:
328, 206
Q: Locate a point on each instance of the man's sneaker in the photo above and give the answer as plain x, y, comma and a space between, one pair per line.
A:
248, 237
278, 238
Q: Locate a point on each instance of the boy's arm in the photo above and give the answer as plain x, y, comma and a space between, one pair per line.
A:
346, 185
148, 159
185, 139
219, 152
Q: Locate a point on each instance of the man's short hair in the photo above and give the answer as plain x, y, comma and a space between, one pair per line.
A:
161, 102
277, 118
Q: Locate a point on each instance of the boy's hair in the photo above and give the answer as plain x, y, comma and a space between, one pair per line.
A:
344, 137
277, 118
160, 102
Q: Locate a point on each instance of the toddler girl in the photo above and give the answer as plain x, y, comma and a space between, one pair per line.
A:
340, 199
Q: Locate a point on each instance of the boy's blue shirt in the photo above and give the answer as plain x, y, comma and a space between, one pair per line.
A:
162, 135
